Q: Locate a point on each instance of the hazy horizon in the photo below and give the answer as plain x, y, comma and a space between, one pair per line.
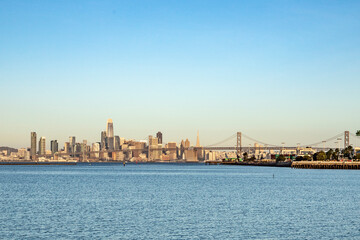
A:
278, 71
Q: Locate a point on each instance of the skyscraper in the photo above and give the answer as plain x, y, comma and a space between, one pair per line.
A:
159, 136
110, 143
42, 146
33, 145
67, 147
117, 143
72, 144
54, 146
103, 140
109, 128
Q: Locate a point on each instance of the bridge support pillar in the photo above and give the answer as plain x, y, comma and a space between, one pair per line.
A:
238, 143
346, 139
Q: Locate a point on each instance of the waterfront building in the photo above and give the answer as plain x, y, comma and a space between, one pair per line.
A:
109, 128
42, 146
54, 146
182, 147
191, 155
33, 145
140, 146
153, 146
156, 152
118, 156
95, 148
22, 153
159, 137
27, 154
172, 148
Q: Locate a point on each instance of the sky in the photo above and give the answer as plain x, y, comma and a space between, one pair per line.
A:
278, 71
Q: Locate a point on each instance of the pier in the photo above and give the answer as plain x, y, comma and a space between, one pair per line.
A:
326, 165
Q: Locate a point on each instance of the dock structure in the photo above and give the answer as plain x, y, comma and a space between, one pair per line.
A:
326, 165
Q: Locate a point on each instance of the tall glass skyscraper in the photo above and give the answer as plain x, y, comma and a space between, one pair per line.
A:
103, 140
110, 134
42, 146
33, 145
72, 142
54, 146
109, 128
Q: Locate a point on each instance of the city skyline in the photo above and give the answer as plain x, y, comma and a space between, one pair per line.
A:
112, 147
279, 71
108, 140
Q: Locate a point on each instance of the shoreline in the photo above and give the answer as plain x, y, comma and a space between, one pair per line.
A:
296, 164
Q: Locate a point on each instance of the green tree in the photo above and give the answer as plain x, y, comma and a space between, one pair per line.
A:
307, 158
348, 152
245, 156
357, 156
329, 154
321, 156
336, 154
280, 158
358, 133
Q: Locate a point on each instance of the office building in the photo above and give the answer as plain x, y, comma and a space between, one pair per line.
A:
67, 147
33, 145
110, 143
95, 148
42, 146
54, 146
77, 148
117, 143
72, 144
172, 148
153, 148
160, 137
109, 128
103, 140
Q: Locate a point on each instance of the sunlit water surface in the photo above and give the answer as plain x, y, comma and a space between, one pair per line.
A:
178, 201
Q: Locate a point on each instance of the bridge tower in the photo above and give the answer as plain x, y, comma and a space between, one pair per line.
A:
346, 139
238, 143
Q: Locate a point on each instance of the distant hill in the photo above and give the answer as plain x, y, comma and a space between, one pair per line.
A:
9, 149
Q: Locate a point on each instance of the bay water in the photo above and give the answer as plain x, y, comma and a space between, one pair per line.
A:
177, 201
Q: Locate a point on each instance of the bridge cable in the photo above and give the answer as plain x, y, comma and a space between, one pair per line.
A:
327, 140
223, 141
257, 141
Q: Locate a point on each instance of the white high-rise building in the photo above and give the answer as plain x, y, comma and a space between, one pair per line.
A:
42, 145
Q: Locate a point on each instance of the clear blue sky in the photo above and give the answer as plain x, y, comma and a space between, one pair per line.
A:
279, 71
